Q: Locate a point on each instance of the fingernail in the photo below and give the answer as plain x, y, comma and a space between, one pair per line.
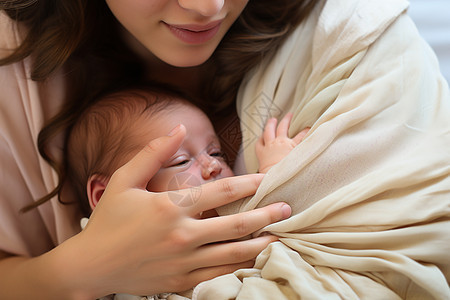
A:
174, 130
286, 211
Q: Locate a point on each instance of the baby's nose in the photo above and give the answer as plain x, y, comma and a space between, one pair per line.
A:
211, 168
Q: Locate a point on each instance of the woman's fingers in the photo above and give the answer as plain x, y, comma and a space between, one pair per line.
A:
141, 168
184, 282
204, 274
230, 253
219, 259
217, 193
225, 258
236, 226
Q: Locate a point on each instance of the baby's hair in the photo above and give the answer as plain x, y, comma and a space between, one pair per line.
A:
108, 129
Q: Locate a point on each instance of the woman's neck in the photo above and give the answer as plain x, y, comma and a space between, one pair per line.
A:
189, 79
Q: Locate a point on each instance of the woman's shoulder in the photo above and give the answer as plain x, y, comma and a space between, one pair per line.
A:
356, 23
25, 105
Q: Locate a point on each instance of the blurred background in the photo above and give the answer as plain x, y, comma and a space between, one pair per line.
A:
432, 18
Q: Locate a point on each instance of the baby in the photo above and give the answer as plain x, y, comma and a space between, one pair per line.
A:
120, 124
114, 129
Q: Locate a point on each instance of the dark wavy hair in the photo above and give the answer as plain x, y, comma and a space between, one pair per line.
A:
82, 36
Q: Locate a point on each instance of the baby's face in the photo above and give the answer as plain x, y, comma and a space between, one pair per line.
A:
198, 160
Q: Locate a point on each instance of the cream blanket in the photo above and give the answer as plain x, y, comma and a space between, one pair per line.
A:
370, 185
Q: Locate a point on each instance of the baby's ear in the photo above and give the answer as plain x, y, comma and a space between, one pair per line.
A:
96, 185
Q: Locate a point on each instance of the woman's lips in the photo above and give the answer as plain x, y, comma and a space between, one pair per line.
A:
193, 33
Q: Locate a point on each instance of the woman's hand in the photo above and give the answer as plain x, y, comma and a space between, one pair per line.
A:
143, 243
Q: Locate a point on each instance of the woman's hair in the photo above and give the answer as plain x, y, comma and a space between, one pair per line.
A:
83, 35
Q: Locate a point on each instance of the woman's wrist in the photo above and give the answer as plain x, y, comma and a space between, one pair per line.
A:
71, 272
49, 276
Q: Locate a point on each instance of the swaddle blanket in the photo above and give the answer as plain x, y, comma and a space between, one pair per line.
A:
369, 186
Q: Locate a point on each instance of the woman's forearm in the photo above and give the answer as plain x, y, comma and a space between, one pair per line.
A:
49, 276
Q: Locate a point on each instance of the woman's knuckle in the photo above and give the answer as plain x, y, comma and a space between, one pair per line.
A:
166, 211
176, 266
153, 146
241, 226
180, 240
177, 283
228, 189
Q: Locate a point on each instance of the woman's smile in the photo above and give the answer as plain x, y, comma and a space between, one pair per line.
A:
195, 33
179, 33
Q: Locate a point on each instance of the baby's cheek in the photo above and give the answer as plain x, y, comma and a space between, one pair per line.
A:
183, 180
227, 172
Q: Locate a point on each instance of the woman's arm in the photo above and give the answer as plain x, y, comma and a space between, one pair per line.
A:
139, 242
23, 277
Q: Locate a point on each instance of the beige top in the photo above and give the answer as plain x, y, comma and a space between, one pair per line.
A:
24, 176
369, 184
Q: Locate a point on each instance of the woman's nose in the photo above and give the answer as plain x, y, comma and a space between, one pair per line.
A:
207, 8
211, 168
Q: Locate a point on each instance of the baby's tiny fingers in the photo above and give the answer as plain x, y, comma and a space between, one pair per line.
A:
283, 127
269, 130
301, 135
260, 142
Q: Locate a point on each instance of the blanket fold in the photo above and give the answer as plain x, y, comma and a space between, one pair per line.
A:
369, 185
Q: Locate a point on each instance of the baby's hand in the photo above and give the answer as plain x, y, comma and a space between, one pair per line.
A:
274, 144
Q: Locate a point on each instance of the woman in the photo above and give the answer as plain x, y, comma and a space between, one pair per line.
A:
354, 71
72, 51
